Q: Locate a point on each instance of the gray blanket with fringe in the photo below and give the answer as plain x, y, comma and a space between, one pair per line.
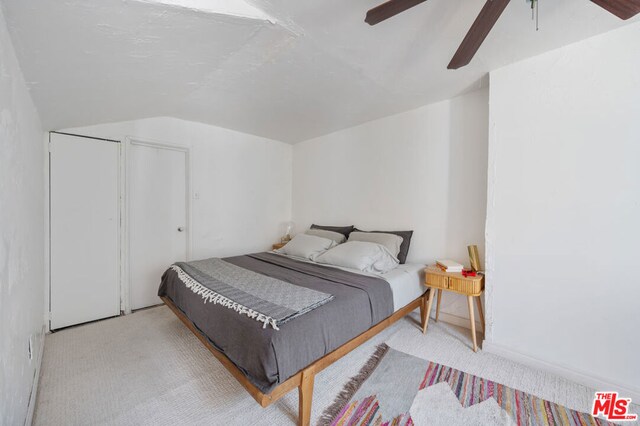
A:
271, 301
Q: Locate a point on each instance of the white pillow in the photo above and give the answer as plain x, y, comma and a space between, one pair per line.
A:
306, 246
335, 236
360, 255
390, 241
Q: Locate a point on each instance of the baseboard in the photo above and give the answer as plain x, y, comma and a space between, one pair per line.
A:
36, 378
577, 376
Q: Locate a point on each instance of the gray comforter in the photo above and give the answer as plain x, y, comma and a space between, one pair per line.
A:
266, 356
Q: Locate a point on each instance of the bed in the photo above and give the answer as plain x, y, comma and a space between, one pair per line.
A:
271, 358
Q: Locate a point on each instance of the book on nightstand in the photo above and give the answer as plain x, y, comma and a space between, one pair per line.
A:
449, 265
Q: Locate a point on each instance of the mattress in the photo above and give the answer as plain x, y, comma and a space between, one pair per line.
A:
268, 357
406, 282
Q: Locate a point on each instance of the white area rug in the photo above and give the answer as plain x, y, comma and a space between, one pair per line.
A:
148, 369
438, 406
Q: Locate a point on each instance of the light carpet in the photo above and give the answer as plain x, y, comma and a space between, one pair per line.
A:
148, 369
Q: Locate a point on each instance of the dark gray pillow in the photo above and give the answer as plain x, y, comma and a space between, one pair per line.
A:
404, 247
344, 230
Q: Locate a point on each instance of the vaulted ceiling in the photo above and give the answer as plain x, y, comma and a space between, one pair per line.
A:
289, 70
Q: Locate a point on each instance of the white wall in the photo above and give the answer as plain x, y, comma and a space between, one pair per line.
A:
243, 182
563, 209
423, 170
21, 237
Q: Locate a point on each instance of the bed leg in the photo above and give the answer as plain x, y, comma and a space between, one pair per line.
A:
305, 396
424, 316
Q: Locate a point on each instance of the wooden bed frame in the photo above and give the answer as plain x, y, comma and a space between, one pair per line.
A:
303, 379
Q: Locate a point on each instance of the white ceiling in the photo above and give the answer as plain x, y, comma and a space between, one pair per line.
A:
284, 69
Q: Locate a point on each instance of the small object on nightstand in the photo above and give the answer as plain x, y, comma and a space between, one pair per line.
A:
474, 257
456, 282
447, 265
288, 233
277, 246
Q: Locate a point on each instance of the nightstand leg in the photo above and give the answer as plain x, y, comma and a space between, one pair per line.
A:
423, 311
479, 303
473, 323
428, 312
438, 304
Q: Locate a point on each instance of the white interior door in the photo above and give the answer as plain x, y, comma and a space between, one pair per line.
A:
158, 234
85, 229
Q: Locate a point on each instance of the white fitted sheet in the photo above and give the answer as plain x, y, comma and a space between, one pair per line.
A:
407, 283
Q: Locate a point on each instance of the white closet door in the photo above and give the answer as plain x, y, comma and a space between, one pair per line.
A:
157, 217
85, 229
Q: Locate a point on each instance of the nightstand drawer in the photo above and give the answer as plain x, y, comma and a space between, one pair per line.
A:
465, 285
439, 281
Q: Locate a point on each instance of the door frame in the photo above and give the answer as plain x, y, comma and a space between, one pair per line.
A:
129, 141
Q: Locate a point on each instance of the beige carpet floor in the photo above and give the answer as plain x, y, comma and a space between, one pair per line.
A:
148, 369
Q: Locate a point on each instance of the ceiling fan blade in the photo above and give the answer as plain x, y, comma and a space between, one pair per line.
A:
623, 9
478, 32
389, 9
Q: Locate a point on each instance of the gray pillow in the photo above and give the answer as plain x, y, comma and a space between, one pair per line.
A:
390, 241
404, 247
360, 255
344, 230
335, 236
306, 246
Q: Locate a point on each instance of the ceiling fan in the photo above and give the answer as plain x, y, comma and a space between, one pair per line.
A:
623, 9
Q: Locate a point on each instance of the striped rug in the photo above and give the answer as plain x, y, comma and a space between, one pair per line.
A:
396, 389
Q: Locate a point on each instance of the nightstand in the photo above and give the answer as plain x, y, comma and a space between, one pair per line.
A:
277, 246
436, 279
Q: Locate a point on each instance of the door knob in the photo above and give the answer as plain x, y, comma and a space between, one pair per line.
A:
180, 228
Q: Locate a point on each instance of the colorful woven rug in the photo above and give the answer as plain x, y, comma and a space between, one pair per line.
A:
397, 389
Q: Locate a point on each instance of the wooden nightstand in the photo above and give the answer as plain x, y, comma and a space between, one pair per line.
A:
471, 287
277, 246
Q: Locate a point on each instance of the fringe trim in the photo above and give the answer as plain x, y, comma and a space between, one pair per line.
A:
217, 299
343, 398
